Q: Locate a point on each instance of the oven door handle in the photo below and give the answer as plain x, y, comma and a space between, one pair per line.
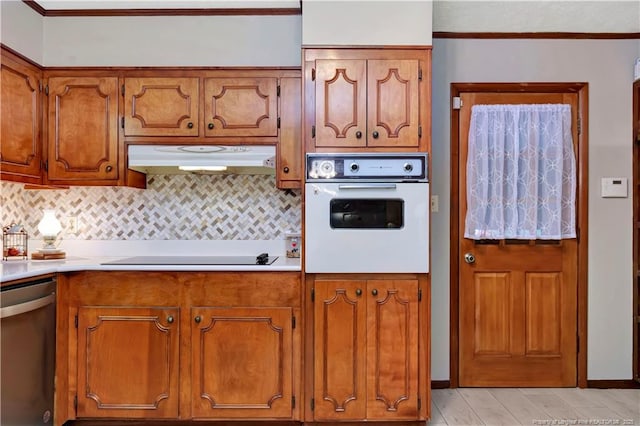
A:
32, 305
369, 186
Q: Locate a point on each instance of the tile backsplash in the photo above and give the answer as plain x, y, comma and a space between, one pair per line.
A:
173, 207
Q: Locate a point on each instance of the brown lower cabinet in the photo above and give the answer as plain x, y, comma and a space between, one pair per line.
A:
128, 362
177, 345
370, 348
220, 346
241, 362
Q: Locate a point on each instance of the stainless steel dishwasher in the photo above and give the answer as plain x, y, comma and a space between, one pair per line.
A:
27, 352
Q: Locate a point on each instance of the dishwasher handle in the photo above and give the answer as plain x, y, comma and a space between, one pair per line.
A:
32, 305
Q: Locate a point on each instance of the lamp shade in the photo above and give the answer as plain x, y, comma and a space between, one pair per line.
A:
49, 226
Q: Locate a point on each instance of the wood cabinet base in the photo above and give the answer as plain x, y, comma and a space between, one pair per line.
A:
172, 346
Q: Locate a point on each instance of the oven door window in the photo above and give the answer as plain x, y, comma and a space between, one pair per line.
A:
359, 213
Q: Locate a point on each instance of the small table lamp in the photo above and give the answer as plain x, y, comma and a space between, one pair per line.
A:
49, 227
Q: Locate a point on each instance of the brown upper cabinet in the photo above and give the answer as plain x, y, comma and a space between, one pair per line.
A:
221, 106
218, 106
82, 130
373, 99
241, 107
20, 148
161, 106
68, 126
289, 152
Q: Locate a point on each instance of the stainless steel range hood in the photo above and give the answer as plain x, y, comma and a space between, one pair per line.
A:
202, 159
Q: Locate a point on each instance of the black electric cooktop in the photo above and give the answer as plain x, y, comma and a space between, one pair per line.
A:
262, 259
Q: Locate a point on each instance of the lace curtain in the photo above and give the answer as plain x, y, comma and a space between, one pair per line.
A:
521, 173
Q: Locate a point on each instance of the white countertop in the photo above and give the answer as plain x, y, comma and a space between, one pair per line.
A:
89, 256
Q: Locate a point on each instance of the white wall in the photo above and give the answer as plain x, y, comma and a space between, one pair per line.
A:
173, 41
366, 22
548, 16
21, 29
607, 65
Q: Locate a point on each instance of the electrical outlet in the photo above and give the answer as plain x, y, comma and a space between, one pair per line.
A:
434, 204
72, 224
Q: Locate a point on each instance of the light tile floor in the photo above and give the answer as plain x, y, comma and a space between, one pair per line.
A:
534, 406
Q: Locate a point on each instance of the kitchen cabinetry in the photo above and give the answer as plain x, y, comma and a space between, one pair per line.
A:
243, 106
372, 99
367, 349
255, 343
289, 152
169, 345
222, 106
161, 106
82, 130
21, 148
128, 362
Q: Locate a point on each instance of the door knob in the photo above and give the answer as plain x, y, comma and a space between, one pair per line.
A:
469, 258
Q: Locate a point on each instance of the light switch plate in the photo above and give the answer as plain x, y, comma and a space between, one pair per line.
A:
435, 204
614, 187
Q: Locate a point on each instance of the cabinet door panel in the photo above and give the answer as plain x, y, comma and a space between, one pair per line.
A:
392, 349
161, 107
128, 362
83, 128
393, 103
241, 107
20, 148
339, 350
290, 146
242, 363
341, 103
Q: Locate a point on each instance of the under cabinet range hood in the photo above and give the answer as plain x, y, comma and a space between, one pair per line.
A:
202, 159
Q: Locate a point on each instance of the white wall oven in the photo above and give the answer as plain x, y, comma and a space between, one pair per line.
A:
367, 213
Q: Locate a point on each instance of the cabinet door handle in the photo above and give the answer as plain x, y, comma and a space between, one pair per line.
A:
358, 292
210, 126
374, 292
190, 125
197, 319
109, 168
286, 170
376, 134
170, 319
358, 134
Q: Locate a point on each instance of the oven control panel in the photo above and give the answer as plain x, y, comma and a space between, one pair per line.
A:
395, 167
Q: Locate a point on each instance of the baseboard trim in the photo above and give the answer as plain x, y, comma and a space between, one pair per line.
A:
613, 384
440, 384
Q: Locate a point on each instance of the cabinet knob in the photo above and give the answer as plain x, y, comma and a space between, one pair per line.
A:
170, 319
197, 319
374, 292
358, 292
210, 126
109, 168
190, 125
286, 170
375, 134
358, 134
